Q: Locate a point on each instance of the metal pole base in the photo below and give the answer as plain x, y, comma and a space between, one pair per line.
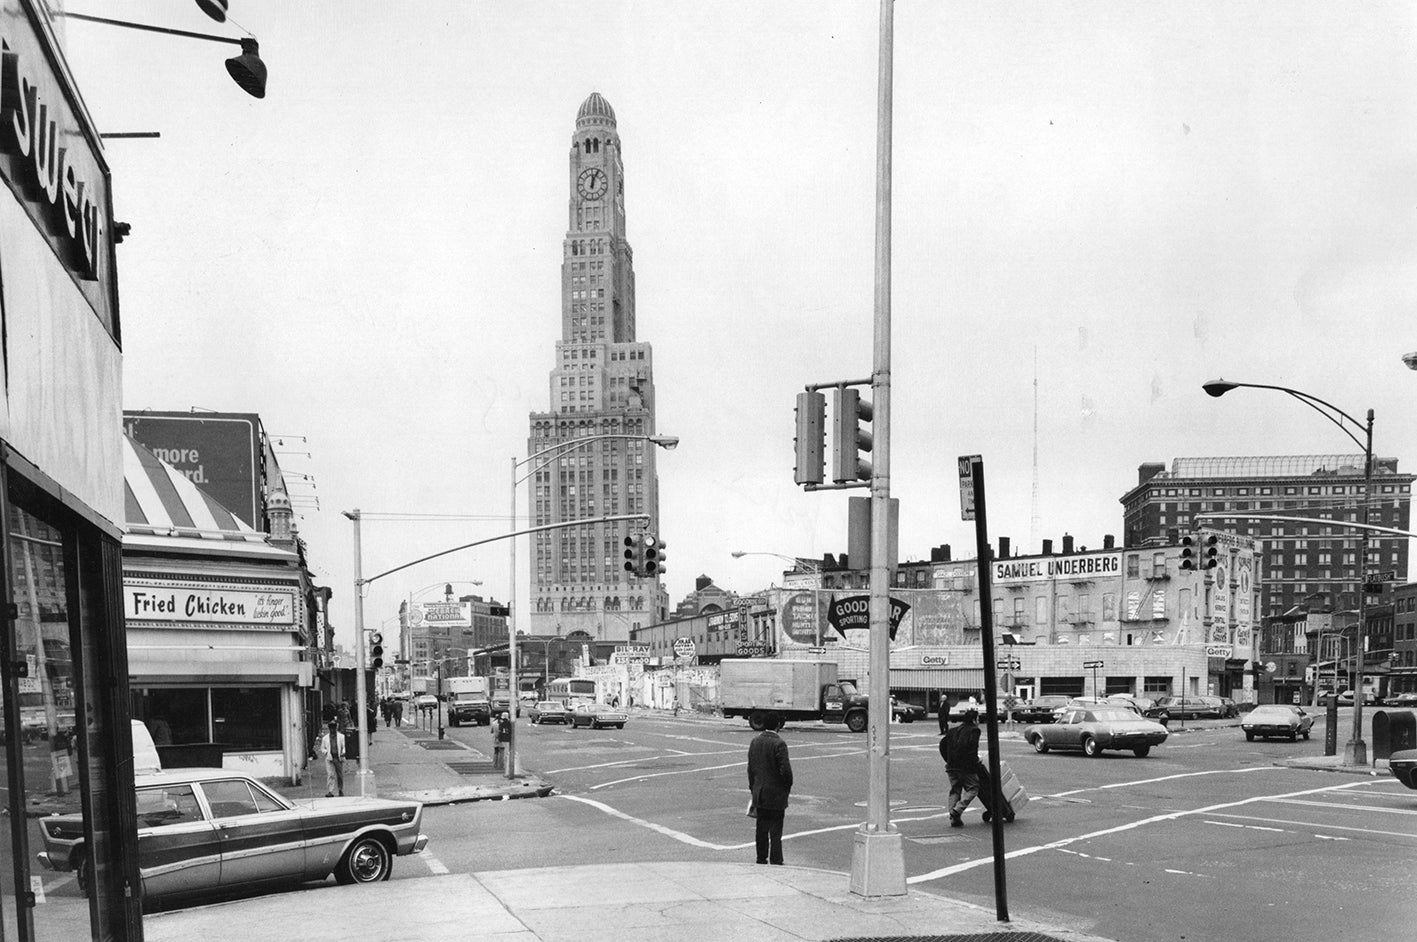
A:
366, 788
1355, 752
878, 864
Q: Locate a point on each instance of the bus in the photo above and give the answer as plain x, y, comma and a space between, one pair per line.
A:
570, 690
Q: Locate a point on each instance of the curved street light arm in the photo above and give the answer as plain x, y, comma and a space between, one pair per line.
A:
502, 536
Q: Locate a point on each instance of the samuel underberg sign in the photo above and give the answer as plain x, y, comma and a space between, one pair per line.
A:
854, 612
1060, 567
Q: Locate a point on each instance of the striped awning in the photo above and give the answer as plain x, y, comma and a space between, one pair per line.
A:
159, 500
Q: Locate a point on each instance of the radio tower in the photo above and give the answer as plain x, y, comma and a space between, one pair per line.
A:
1033, 528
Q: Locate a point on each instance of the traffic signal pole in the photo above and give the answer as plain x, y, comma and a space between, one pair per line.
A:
366, 780
878, 854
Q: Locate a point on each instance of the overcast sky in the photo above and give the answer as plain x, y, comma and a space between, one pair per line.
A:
1140, 197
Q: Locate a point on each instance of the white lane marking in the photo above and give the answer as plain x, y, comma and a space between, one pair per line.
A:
679, 836
1326, 804
611, 765
1245, 827
711, 768
1164, 778
1331, 837
435, 865
1131, 826
1314, 824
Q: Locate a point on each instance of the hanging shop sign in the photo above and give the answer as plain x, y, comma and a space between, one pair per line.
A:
205, 607
1088, 566
49, 159
854, 612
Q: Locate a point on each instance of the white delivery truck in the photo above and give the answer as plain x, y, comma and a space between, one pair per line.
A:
468, 701
796, 690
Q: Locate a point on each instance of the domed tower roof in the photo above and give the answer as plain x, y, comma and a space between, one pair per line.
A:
595, 110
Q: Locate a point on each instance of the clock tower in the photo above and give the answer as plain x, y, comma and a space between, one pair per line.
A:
602, 383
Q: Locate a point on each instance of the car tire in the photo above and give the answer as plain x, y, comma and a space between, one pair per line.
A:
367, 861
1141, 752
81, 875
619, 725
1039, 746
1293, 737
907, 718
1305, 734
856, 722
1249, 736
1090, 747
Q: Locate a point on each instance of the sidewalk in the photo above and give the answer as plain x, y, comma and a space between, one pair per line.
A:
675, 902
412, 763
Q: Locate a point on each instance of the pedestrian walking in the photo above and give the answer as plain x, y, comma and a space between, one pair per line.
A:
386, 707
332, 751
769, 782
960, 750
398, 713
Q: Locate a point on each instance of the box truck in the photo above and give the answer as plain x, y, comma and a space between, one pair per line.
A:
796, 690
468, 701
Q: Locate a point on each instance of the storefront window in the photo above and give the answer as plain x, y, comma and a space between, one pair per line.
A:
240, 719
42, 667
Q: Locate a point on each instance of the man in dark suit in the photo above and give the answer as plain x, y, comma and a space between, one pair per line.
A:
769, 781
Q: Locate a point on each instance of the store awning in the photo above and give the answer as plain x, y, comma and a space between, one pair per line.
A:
159, 500
937, 678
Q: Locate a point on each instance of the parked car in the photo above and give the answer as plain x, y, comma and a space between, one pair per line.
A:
548, 711
1403, 764
596, 715
1345, 698
207, 831
425, 701
1147, 707
1402, 700
906, 712
1093, 730
1039, 709
1274, 720
1192, 707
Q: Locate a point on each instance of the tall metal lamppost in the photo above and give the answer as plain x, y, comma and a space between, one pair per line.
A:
1355, 752
798, 563
546, 456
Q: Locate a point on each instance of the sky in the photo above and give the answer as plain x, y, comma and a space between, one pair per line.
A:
1096, 207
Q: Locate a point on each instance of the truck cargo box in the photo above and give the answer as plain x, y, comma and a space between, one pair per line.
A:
790, 687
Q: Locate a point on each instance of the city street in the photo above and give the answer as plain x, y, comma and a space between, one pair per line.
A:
1203, 834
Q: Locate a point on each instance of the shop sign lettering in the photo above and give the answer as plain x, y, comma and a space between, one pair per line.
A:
196, 606
1061, 567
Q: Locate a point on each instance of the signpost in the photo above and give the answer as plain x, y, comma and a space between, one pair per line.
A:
1093, 666
684, 647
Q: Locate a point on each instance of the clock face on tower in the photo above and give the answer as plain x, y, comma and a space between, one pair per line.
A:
591, 183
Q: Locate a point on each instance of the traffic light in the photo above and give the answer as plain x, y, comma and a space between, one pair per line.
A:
633, 561
811, 426
653, 560
850, 438
376, 650
1211, 552
1188, 552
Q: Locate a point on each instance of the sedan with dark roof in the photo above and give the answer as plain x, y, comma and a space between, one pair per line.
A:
210, 831
1403, 764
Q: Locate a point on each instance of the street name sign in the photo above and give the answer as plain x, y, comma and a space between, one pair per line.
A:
1091, 665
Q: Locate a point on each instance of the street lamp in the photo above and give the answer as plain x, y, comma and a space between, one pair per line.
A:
1356, 750
246, 70
798, 563
547, 454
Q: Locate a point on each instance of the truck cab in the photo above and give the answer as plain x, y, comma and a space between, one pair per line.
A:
843, 703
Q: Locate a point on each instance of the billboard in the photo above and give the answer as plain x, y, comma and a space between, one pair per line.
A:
219, 452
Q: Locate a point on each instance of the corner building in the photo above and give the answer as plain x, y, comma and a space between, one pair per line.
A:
602, 384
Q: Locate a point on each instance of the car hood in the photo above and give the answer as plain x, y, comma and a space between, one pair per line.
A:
1403, 755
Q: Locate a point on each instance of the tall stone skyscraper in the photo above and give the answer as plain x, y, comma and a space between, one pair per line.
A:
602, 383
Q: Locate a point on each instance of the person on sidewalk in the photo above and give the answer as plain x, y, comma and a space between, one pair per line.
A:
960, 750
397, 708
332, 751
769, 782
501, 735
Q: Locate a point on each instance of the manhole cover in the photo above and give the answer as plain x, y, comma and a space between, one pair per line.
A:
441, 744
471, 768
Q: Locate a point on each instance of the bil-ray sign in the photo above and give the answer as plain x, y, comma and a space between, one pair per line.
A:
1043, 568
